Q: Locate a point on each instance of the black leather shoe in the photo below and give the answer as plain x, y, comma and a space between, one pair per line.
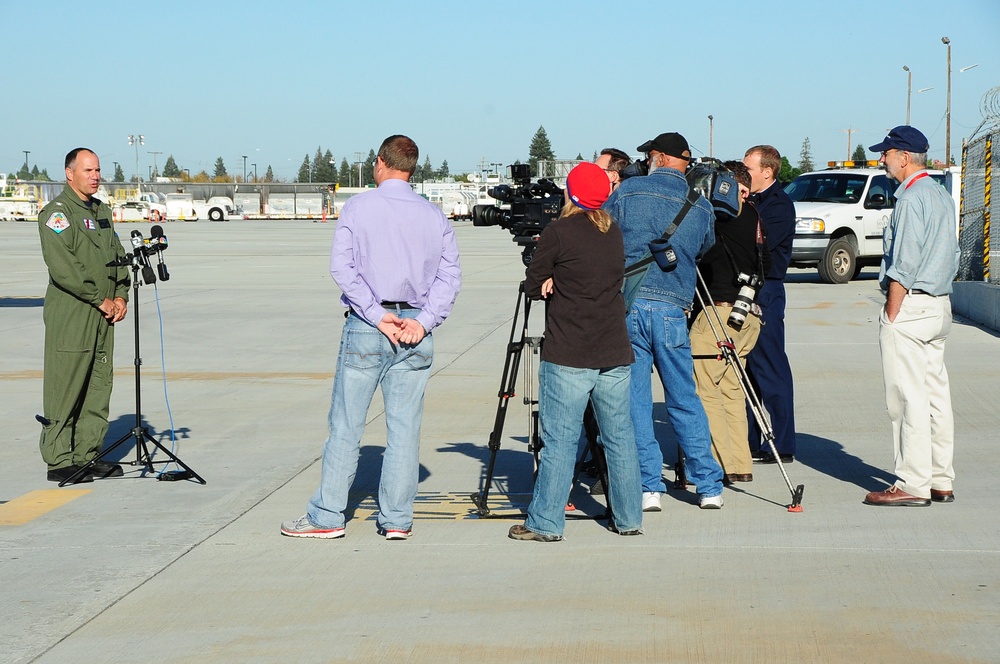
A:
66, 472
942, 496
767, 457
101, 470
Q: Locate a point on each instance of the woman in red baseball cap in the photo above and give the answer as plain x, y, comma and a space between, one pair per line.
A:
578, 267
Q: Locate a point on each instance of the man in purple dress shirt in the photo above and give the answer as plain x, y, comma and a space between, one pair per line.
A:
396, 261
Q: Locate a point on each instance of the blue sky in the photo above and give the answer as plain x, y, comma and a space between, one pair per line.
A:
474, 80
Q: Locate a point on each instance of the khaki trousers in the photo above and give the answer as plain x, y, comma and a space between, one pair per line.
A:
917, 394
719, 388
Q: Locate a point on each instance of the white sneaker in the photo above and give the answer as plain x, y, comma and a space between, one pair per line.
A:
650, 501
711, 502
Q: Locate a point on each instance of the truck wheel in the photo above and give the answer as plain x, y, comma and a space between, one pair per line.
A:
839, 261
215, 214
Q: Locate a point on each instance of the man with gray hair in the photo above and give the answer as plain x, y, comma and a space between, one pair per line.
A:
919, 265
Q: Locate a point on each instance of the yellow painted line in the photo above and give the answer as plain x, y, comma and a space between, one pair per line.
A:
32, 505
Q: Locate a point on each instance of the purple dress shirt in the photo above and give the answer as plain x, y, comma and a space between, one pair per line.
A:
392, 245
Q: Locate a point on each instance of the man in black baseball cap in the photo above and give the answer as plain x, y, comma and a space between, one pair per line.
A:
657, 323
670, 143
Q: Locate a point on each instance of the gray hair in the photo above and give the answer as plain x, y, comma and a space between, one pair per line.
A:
918, 157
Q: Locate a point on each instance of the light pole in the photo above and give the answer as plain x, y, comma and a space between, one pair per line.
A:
26, 153
155, 170
254, 172
909, 87
711, 122
361, 179
115, 172
947, 114
137, 140
244, 168
187, 173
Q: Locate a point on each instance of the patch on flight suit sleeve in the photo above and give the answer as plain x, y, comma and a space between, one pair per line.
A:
57, 222
89, 223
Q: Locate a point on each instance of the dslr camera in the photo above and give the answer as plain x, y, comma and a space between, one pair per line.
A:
524, 209
749, 285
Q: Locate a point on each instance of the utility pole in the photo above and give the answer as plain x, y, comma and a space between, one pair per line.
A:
909, 86
711, 122
137, 140
155, 170
361, 179
849, 131
947, 115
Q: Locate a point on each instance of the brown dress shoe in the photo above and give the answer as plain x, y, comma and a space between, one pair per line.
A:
894, 496
942, 496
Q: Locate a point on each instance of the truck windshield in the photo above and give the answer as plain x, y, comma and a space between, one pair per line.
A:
827, 188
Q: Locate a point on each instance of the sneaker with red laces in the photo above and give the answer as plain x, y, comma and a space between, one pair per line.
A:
397, 534
303, 527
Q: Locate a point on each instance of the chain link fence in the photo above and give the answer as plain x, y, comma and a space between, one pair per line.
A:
980, 248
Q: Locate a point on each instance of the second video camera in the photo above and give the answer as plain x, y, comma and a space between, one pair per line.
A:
524, 209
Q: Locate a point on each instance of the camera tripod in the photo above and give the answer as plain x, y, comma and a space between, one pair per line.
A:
139, 433
728, 354
508, 380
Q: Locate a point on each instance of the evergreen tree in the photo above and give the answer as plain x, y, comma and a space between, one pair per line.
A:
119, 174
328, 168
859, 154
220, 168
269, 175
540, 150
23, 173
344, 177
595, 156
305, 173
787, 173
368, 169
425, 172
805, 157
170, 169
579, 156
34, 172
443, 171
44, 175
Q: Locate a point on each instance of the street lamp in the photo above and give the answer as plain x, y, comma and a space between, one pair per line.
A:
244, 168
115, 164
137, 140
909, 87
711, 121
947, 114
254, 172
26, 153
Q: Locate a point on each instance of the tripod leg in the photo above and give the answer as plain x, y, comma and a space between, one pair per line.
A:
100, 455
172, 456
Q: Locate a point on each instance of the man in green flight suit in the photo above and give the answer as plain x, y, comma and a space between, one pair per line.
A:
84, 299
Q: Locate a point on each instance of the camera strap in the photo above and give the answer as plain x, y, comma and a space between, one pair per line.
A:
635, 273
640, 265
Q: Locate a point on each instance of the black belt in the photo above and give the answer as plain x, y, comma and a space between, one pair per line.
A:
398, 305
917, 291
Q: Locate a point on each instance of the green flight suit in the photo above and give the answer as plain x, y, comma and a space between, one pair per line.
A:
78, 241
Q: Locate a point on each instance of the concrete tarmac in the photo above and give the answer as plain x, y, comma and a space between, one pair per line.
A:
135, 570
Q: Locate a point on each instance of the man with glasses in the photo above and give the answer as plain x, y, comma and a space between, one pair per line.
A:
613, 161
657, 322
919, 265
395, 260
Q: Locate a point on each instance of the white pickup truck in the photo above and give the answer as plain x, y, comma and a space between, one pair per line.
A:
840, 214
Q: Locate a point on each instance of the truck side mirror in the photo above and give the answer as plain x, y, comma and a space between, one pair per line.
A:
876, 201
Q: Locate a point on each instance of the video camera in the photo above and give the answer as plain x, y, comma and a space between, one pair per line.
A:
527, 208
708, 176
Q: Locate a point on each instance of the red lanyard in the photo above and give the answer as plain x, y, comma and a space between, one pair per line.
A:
922, 175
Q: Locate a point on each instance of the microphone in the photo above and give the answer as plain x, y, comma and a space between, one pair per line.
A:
158, 241
139, 254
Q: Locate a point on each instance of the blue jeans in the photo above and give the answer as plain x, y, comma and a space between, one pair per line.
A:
659, 335
368, 360
562, 400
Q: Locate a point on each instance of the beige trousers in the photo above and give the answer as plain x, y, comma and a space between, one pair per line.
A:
917, 394
719, 388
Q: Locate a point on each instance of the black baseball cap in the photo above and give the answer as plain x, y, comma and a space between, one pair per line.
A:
905, 138
670, 143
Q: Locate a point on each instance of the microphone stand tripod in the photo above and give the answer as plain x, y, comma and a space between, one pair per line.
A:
139, 433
